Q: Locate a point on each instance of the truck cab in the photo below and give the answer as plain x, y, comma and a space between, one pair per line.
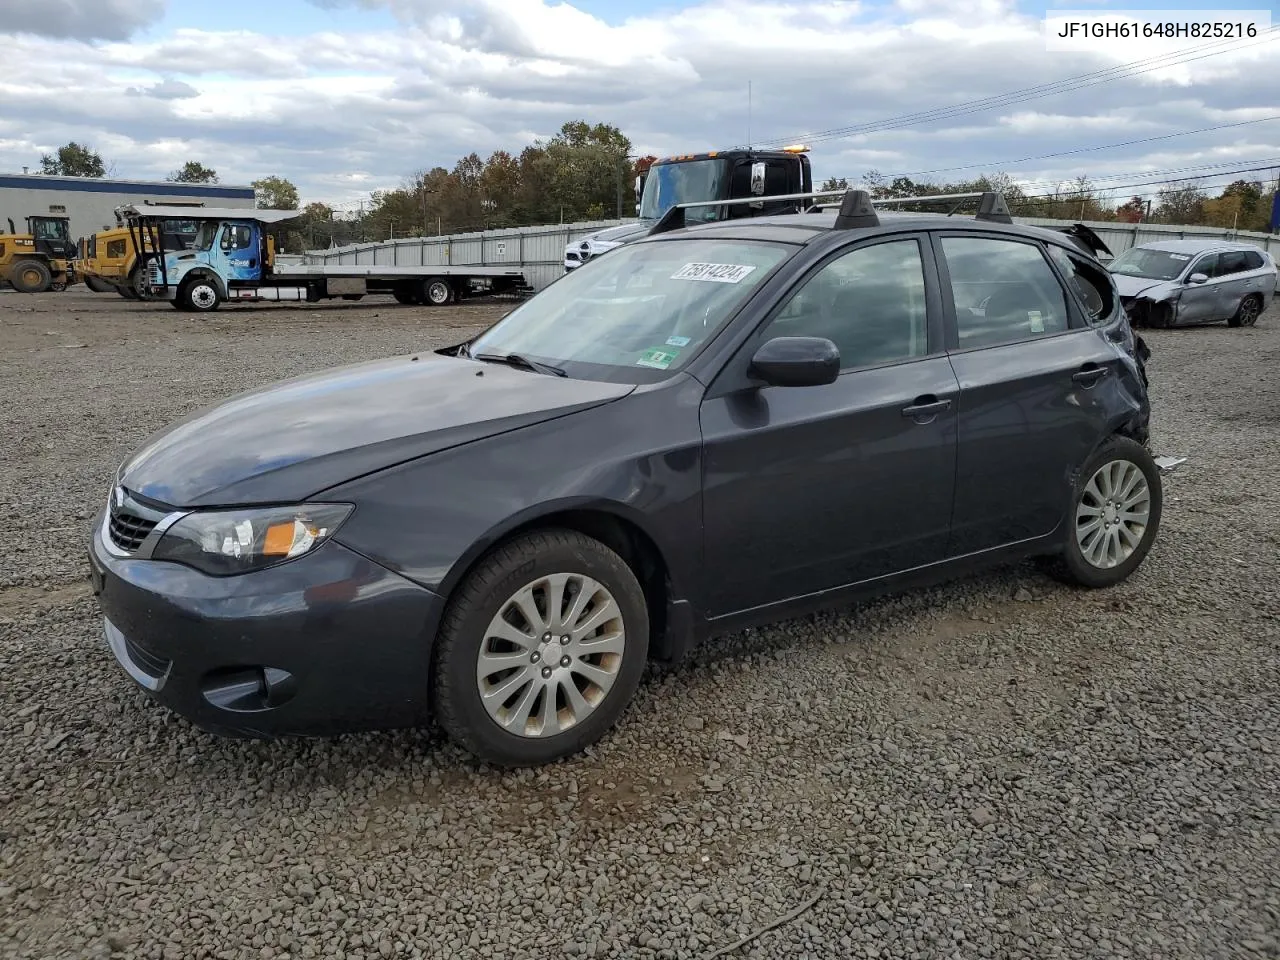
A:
702, 177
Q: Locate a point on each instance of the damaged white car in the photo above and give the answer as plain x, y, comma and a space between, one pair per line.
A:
1176, 282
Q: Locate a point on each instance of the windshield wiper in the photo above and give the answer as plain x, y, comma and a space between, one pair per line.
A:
518, 360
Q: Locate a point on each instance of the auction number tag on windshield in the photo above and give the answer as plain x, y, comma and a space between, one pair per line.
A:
715, 272
1178, 256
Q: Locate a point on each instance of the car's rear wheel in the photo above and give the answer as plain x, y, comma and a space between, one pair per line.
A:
437, 291
1246, 314
541, 649
1114, 517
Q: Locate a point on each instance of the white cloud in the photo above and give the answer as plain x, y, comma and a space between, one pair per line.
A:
341, 114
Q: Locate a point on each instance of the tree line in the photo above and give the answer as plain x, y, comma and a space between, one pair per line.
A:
586, 171
1241, 205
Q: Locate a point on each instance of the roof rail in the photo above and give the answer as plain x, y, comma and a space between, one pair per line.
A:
993, 207
856, 211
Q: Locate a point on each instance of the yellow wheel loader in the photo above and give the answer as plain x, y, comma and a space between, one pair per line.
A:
41, 259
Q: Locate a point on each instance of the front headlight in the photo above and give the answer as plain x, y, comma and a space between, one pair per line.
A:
223, 542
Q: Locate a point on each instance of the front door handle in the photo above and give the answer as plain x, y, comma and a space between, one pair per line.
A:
1089, 375
929, 406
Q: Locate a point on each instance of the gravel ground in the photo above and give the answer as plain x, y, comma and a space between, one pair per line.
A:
997, 768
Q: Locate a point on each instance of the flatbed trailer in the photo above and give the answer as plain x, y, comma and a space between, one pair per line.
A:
233, 260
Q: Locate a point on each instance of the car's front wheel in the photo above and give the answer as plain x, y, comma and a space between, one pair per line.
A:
541, 649
1114, 518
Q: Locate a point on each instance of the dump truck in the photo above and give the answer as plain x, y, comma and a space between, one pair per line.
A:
42, 258
232, 259
781, 179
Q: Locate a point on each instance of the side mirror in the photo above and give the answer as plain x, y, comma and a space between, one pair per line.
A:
1197, 278
796, 362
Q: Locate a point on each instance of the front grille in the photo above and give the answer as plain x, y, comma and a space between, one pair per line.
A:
129, 522
128, 530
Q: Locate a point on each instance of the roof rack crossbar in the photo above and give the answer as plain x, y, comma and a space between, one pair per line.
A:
857, 207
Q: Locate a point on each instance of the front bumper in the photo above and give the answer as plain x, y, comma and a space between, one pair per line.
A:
326, 644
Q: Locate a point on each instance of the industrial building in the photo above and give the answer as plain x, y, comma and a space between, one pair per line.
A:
90, 202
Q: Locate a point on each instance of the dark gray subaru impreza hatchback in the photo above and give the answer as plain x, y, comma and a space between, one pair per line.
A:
717, 425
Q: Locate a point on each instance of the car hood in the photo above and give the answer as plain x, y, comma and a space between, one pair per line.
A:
1133, 286
628, 231
291, 440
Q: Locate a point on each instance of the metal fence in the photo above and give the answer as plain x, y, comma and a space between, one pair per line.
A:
539, 251
1121, 236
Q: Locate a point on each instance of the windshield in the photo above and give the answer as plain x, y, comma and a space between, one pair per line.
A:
689, 181
1149, 264
639, 314
205, 235
51, 230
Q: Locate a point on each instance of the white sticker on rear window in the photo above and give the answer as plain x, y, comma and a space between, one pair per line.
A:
1178, 256
715, 272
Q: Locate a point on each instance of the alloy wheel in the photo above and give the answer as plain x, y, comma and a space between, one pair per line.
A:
1113, 513
550, 655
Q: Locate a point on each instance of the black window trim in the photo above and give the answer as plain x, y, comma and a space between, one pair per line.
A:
732, 375
1076, 322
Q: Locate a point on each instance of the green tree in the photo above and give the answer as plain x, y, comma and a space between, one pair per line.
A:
275, 193
193, 171
73, 160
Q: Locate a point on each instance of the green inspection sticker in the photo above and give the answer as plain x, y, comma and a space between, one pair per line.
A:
657, 358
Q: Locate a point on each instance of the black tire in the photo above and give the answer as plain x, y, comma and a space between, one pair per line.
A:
30, 276
97, 285
1071, 565
199, 295
481, 596
436, 291
1246, 314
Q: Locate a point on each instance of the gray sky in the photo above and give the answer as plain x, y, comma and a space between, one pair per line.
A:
345, 96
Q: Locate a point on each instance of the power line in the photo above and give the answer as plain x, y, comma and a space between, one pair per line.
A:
1103, 146
1159, 173
1028, 93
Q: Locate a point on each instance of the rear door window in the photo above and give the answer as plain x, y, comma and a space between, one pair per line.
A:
1004, 291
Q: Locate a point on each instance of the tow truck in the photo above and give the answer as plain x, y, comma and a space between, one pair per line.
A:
41, 259
232, 258
781, 179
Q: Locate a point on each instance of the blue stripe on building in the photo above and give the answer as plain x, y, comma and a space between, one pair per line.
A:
92, 185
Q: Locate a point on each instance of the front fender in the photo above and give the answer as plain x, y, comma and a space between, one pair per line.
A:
637, 459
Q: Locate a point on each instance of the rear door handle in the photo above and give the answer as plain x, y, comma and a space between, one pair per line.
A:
1089, 376
926, 407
